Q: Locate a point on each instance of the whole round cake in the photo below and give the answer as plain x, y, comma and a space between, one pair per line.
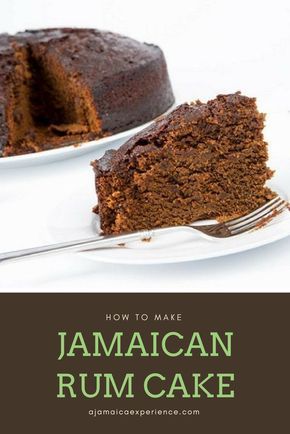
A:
64, 86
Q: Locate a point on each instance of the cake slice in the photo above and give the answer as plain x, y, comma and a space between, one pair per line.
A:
202, 161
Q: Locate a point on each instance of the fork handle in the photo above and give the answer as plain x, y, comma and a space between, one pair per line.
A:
81, 245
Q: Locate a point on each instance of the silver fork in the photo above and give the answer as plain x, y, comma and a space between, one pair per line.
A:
259, 217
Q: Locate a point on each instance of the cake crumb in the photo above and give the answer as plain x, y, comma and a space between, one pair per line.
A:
146, 239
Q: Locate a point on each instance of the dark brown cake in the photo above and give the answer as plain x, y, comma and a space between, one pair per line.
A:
63, 86
201, 161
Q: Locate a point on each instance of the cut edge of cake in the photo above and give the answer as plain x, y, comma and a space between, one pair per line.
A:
32, 94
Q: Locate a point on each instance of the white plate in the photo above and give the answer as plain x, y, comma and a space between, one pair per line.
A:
72, 218
71, 151
65, 224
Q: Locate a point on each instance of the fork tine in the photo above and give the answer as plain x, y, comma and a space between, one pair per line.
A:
258, 215
254, 213
255, 222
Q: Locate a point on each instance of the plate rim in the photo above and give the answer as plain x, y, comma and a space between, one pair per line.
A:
271, 233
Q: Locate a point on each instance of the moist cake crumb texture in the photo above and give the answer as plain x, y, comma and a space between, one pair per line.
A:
65, 86
202, 161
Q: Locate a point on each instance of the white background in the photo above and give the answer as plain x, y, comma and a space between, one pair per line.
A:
211, 47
